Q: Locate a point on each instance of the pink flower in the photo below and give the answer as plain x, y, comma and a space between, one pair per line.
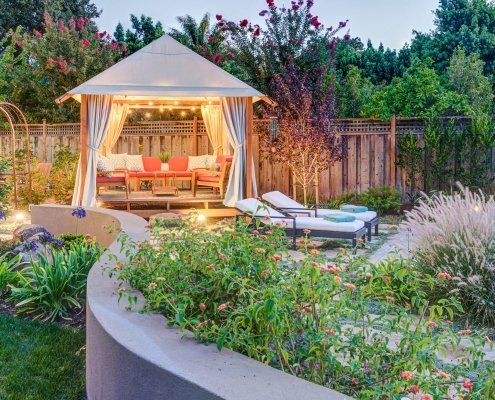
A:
80, 23
222, 256
115, 45
217, 58
406, 375
86, 43
468, 385
218, 17
202, 307
427, 396
257, 32
52, 62
415, 389
444, 275
62, 66
432, 324
211, 39
222, 307
244, 23
337, 279
350, 286
37, 33
211, 266
97, 35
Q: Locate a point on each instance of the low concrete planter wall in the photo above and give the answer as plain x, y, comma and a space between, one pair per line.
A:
135, 356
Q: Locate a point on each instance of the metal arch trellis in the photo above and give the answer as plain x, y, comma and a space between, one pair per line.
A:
18, 126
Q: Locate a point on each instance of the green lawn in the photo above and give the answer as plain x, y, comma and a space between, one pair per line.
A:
40, 361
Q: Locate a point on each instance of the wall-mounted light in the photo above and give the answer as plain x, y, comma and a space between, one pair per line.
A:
19, 217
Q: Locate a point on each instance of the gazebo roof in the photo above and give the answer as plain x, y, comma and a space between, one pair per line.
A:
164, 69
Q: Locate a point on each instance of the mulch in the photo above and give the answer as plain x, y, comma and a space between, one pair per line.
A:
76, 320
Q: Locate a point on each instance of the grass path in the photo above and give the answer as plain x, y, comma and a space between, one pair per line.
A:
40, 361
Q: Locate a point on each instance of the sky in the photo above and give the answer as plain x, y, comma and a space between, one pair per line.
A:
388, 21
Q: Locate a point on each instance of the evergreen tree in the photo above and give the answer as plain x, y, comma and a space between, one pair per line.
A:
142, 33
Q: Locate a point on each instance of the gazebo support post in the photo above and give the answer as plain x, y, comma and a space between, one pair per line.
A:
84, 144
249, 147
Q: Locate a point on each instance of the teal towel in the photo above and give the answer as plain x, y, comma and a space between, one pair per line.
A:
339, 218
353, 209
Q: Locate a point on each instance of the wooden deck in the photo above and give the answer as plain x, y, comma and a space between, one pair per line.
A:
145, 204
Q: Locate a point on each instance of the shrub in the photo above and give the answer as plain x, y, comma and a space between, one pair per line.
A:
69, 238
453, 236
54, 285
63, 174
382, 200
237, 288
8, 271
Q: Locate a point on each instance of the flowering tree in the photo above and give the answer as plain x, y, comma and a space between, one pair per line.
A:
291, 60
291, 35
306, 142
38, 67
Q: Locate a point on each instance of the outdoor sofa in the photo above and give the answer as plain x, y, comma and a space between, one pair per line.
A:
284, 203
301, 226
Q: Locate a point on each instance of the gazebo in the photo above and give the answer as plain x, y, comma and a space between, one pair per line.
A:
166, 74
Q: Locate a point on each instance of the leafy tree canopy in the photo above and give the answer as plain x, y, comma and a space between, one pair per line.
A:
37, 67
419, 93
28, 14
143, 32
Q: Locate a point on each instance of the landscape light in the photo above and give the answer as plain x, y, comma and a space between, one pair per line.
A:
20, 217
201, 219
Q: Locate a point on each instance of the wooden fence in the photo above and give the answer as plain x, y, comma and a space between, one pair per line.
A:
370, 147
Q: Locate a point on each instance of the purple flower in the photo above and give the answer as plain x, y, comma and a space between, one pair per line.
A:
29, 246
79, 213
45, 238
2, 215
57, 243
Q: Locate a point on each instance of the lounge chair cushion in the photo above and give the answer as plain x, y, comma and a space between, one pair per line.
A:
322, 225
141, 174
339, 218
257, 208
207, 178
280, 200
111, 179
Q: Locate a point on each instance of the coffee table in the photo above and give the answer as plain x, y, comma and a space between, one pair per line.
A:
165, 189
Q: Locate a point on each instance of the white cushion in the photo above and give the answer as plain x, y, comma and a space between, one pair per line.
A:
364, 216
280, 200
104, 164
165, 167
256, 208
210, 161
134, 163
321, 224
119, 160
196, 162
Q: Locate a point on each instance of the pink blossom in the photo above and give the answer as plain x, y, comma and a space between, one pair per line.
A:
406, 375
244, 23
468, 385
432, 324
222, 307
37, 33
218, 17
218, 58
86, 43
211, 39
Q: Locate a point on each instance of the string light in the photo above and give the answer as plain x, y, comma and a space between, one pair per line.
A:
176, 103
150, 103
161, 109
183, 113
148, 115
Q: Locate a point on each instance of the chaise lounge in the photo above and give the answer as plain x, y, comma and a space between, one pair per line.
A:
284, 203
299, 226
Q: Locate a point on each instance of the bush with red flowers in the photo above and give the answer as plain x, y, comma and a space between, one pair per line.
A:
47, 65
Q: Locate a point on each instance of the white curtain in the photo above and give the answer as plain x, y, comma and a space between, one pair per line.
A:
215, 129
99, 117
234, 115
117, 121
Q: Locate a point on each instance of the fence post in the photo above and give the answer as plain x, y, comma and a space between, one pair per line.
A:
195, 137
393, 124
44, 140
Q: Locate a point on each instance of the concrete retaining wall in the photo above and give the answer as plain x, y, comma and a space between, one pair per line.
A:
135, 356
